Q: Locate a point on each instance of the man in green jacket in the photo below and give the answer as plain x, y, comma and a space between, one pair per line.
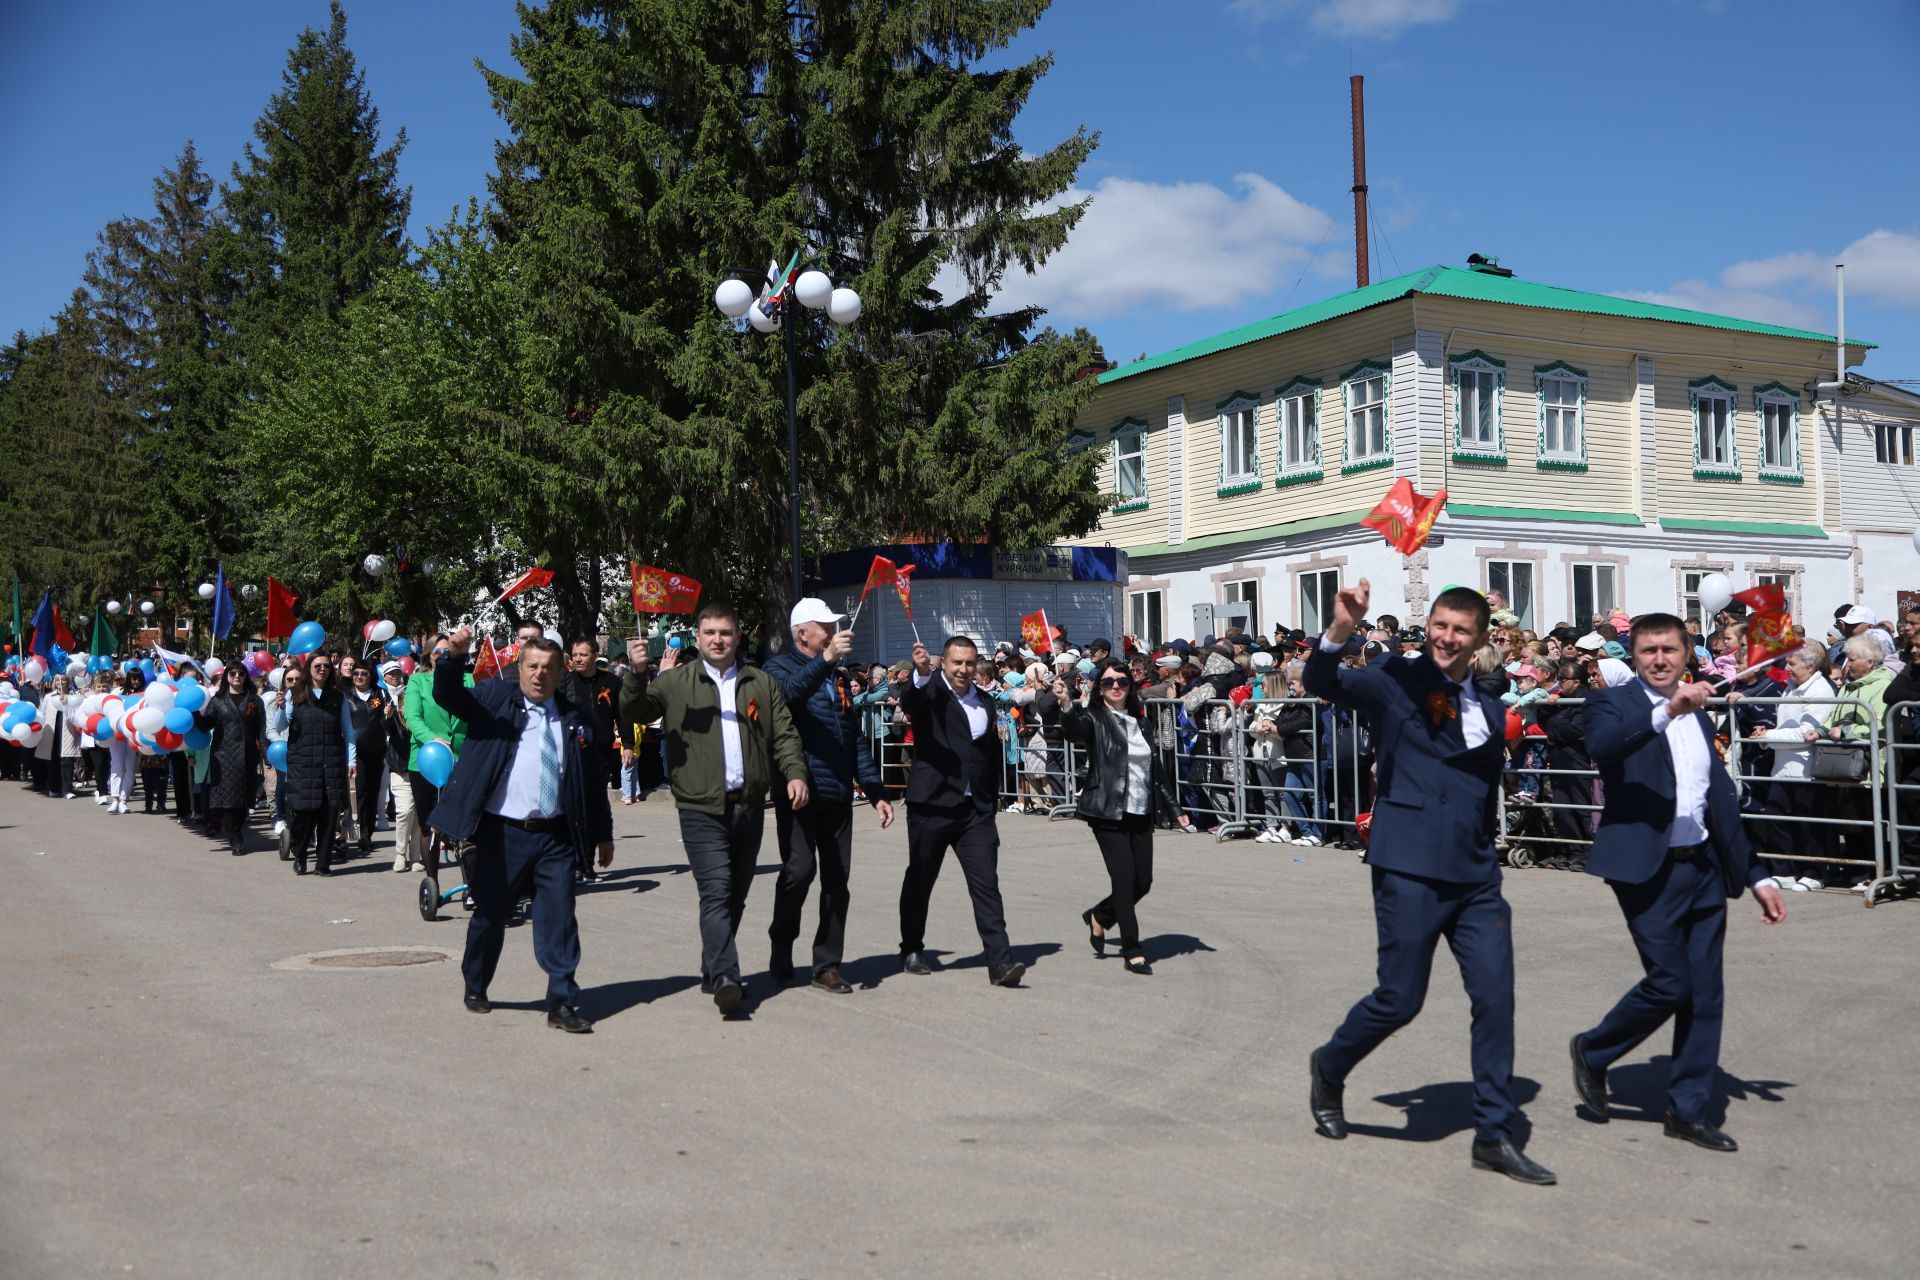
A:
427, 721
727, 728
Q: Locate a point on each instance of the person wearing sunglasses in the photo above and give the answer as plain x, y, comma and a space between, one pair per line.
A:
1116, 800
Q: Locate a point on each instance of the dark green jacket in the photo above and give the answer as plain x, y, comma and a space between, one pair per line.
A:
687, 703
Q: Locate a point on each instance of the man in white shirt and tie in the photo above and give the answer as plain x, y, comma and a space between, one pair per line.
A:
951, 793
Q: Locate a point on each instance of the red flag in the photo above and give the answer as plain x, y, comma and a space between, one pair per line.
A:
904, 588
486, 664
1037, 633
1769, 626
662, 590
61, 636
880, 574
280, 602
534, 577
1404, 517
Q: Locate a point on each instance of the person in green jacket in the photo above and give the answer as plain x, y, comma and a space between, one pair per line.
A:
727, 728
427, 721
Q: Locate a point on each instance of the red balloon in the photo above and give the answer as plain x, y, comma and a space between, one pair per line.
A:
168, 740
94, 724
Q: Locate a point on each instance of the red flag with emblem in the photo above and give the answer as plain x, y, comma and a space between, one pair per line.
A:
880, 573
1037, 633
1769, 626
1405, 518
903, 588
662, 590
534, 577
486, 663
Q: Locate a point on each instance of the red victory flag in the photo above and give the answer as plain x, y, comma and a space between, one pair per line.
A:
662, 591
1404, 517
280, 602
534, 577
61, 636
1037, 633
880, 574
904, 589
1769, 626
486, 663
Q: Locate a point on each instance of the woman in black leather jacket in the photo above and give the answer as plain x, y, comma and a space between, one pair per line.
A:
1116, 801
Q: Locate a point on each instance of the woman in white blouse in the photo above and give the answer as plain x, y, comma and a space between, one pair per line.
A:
1116, 800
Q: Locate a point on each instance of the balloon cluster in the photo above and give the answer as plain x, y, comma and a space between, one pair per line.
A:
160, 720
20, 723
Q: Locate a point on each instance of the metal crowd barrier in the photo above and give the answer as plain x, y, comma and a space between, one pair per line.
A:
1900, 731
1783, 819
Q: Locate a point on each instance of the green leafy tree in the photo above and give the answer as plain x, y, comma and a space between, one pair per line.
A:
654, 145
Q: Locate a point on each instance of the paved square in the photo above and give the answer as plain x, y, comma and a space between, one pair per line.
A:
172, 1104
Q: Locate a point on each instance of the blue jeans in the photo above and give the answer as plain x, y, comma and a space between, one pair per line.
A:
630, 780
1298, 781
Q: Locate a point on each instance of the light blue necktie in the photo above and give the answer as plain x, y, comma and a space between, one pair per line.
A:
549, 770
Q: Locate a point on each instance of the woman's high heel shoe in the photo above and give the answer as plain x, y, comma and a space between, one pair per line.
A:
1095, 938
1139, 965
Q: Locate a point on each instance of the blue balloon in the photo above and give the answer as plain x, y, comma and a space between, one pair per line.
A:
179, 720
18, 713
199, 740
673, 642
59, 656
146, 667
399, 647
306, 638
277, 755
190, 696
436, 763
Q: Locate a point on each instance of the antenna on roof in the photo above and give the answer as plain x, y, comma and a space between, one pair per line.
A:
1354, 84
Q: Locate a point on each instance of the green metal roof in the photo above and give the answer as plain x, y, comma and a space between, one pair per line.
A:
1472, 286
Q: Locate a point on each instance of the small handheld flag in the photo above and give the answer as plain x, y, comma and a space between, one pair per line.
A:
534, 577
1405, 518
662, 591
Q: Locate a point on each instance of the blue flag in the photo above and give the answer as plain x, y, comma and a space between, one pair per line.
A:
222, 605
43, 626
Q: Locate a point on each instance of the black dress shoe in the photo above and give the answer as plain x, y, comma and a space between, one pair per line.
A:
1590, 1084
1096, 939
477, 1002
1504, 1157
914, 962
299, 864
1327, 1101
567, 1018
781, 968
1139, 965
1006, 975
829, 979
727, 994
1700, 1135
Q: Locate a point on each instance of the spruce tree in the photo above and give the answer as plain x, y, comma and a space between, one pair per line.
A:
654, 145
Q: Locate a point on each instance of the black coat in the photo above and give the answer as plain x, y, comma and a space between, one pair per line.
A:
1566, 726
947, 760
1103, 795
233, 761
317, 754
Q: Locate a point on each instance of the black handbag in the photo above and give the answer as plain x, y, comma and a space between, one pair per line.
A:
1839, 761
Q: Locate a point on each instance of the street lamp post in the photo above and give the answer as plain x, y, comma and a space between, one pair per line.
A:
779, 307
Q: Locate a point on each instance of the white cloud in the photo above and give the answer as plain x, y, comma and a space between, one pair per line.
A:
1184, 246
1883, 268
1746, 304
1366, 19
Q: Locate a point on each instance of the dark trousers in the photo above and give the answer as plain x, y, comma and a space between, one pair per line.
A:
975, 840
366, 795
59, 779
233, 826
99, 764
1678, 921
1126, 847
722, 850
153, 782
182, 770
508, 862
818, 836
1412, 914
318, 826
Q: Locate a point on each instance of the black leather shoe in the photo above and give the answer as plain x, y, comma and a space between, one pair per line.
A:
1006, 975
914, 962
1590, 1084
727, 994
567, 1018
299, 864
1327, 1101
1095, 939
1504, 1157
782, 970
477, 1002
829, 979
1700, 1135
1139, 965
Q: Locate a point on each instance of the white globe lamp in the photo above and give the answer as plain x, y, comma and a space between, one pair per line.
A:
733, 297
813, 289
844, 306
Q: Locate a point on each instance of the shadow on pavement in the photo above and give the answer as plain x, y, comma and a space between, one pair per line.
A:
601, 1003
1163, 946
1437, 1111
1638, 1091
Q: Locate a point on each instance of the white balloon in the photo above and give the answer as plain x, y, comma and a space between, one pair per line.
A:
1716, 591
148, 719
114, 606
28, 736
146, 607
382, 632
90, 706
206, 590
34, 671
77, 668
249, 591
214, 668
277, 677
554, 636
845, 307
375, 565
761, 321
1916, 539
733, 297
159, 695
813, 289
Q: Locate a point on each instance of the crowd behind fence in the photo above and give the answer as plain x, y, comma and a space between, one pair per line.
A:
1298, 770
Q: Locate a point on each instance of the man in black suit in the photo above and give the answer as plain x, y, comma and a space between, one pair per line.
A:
1672, 848
521, 791
951, 791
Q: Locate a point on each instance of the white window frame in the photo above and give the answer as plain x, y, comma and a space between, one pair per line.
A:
1351, 459
1788, 580
1709, 391
1317, 590
1488, 378
1078, 442
1561, 375
1512, 597
1594, 568
1893, 444
1153, 602
1244, 591
1690, 607
1129, 441
1229, 413
1772, 401
1293, 405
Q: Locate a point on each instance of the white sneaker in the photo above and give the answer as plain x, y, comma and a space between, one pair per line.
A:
1808, 882
106, 800
1791, 883
1266, 837
1016, 807
400, 863
278, 827
1283, 834
419, 865
1862, 887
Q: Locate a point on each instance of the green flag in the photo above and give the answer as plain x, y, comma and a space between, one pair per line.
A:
103, 644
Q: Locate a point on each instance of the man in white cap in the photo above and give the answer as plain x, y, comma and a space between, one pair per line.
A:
819, 837
1850, 621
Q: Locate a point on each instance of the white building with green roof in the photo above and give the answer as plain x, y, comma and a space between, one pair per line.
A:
1597, 452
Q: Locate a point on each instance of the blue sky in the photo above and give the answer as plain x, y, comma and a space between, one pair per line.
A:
1713, 153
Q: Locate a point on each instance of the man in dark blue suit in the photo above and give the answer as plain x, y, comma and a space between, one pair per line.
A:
1672, 847
1435, 872
522, 791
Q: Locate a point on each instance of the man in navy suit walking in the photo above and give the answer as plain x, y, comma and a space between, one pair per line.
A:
1435, 872
523, 792
1671, 846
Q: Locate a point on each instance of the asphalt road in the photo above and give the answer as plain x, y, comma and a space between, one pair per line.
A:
171, 1104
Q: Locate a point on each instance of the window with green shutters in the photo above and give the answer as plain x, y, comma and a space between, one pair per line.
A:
1369, 433
1239, 444
1130, 465
1778, 409
1479, 390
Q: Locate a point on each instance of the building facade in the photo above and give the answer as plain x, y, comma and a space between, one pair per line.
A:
1596, 452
